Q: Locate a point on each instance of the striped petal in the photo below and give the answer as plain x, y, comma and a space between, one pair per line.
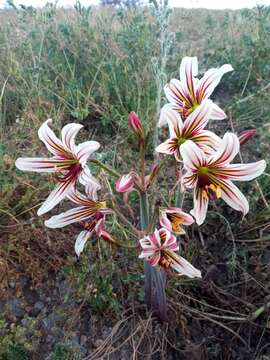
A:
169, 146
217, 113
154, 259
200, 206
229, 148
210, 80
69, 133
192, 155
189, 180
198, 119
188, 70
84, 150
171, 117
69, 217
185, 218
170, 243
243, 172
81, 241
183, 267
91, 184
48, 165
177, 94
206, 137
58, 194
52, 143
164, 222
234, 197
77, 197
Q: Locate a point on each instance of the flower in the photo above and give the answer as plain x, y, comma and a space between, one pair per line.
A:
185, 95
68, 162
172, 218
191, 129
211, 176
135, 125
90, 215
124, 183
246, 135
159, 249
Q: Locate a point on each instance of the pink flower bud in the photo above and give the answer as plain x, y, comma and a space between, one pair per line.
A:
124, 183
135, 124
246, 135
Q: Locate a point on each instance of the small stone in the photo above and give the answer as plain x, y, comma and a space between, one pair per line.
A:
15, 308
39, 305
83, 340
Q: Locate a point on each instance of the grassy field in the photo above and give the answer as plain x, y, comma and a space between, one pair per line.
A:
94, 66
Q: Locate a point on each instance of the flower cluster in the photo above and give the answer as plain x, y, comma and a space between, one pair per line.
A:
202, 158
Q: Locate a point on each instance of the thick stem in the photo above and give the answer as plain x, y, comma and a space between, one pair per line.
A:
105, 167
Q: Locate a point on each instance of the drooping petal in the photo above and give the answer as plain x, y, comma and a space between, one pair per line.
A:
177, 94
217, 113
91, 183
206, 137
246, 135
58, 194
192, 155
155, 239
48, 165
52, 143
186, 218
69, 217
189, 180
170, 243
77, 197
124, 183
198, 119
164, 222
84, 150
69, 133
154, 259
229, 148
233, 196
243, 172
184, 267
210, 80
169, 146
80, 241
188, 70
200, 201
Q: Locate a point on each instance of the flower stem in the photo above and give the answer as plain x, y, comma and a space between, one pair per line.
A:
105, 167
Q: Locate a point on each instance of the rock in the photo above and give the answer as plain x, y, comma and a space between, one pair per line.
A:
15, 308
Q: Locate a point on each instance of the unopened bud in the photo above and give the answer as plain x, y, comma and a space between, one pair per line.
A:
135, 125
124, 183
246, 135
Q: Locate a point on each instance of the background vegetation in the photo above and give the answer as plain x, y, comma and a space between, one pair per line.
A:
94, 66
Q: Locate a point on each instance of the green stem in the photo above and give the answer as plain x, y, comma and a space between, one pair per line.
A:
105, 167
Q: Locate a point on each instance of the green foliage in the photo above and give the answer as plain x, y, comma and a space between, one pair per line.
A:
11, 342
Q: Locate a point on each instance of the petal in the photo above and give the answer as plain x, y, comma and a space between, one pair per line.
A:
58, 194
206, 137
188, 70
217, 113
154, 259
228, 149
91, 184
210, 80
186, 218
192, 155
84, 150
155, 239
198, 119
243, 172
164, 222
124, 183
77, 197
200, 206
171, 243
80, 241
48, 165
169, 146
69, 133
233, 196
52, 143
177, 94
69, 217
173, 118
189, 180
184, 267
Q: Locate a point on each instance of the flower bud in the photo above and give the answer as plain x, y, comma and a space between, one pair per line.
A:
135, 125
124, 183
246, 135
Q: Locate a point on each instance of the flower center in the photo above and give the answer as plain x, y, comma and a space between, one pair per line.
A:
209, 190
71, 173
181, 141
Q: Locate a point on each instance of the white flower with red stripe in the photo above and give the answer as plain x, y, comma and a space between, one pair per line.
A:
90, 214
159, 249
124, 183
212, 176
173, 218
68, 163
191, 129
185, 95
